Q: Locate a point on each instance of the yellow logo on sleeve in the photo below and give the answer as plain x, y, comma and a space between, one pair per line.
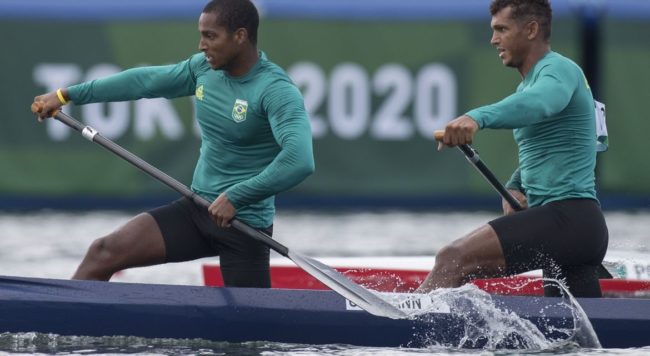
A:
199, 92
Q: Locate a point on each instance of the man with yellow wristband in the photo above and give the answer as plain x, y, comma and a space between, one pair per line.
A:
59, 94
256, 142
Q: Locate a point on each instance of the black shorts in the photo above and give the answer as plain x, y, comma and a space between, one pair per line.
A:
190, 233
567, 239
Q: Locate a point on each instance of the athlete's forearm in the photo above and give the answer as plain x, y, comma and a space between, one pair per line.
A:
145, 82
291, 166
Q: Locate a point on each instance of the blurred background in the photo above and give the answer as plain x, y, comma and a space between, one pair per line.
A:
378, 77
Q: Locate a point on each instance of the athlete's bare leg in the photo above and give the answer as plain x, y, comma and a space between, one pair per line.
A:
476, 255
138, 243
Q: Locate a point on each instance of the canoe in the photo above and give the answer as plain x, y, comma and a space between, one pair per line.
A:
71, 307
405, 273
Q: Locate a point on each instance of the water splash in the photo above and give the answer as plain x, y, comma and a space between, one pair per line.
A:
583, 332
468, 317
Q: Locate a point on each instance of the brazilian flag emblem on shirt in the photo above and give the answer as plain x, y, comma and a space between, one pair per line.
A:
239, 110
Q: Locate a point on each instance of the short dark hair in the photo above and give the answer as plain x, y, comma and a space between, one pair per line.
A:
528, 10
236, 14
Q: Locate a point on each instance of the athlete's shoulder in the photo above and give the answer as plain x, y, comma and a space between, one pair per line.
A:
272, 71
557, 62
198, 64
558, 66
276, 80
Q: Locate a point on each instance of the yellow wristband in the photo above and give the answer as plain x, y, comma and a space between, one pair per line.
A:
59, 94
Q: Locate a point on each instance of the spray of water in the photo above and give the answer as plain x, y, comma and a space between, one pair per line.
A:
468, 317
583, 332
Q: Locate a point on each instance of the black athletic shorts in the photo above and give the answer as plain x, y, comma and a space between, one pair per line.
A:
190, 233
567, 239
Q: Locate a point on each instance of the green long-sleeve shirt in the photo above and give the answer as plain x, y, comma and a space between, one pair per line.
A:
552, 114
255, 132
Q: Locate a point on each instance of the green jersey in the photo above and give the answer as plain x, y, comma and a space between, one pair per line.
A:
255, 132
552, 114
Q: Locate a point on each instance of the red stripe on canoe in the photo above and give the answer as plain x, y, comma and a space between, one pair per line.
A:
394, 280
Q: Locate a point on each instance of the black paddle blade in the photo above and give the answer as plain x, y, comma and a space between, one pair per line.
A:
353, 292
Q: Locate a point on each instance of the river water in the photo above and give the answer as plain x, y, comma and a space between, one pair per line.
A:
51, 243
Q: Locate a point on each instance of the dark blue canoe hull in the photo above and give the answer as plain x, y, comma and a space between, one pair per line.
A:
90, 308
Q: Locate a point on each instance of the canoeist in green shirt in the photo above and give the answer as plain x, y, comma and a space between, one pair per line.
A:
562, 231
255, 142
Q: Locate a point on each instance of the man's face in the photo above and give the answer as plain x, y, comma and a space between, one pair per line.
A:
219, 46
510, 38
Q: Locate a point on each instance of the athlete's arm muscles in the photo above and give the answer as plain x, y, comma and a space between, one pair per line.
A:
549, 95
168, 81
295, 162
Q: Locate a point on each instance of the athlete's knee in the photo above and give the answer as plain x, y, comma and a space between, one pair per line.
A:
449, 261
459, 262
101, 251
99, 262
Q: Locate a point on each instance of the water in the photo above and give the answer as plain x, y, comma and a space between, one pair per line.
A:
50, 244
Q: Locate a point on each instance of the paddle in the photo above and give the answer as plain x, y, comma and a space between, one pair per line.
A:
473, 157
356, 294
